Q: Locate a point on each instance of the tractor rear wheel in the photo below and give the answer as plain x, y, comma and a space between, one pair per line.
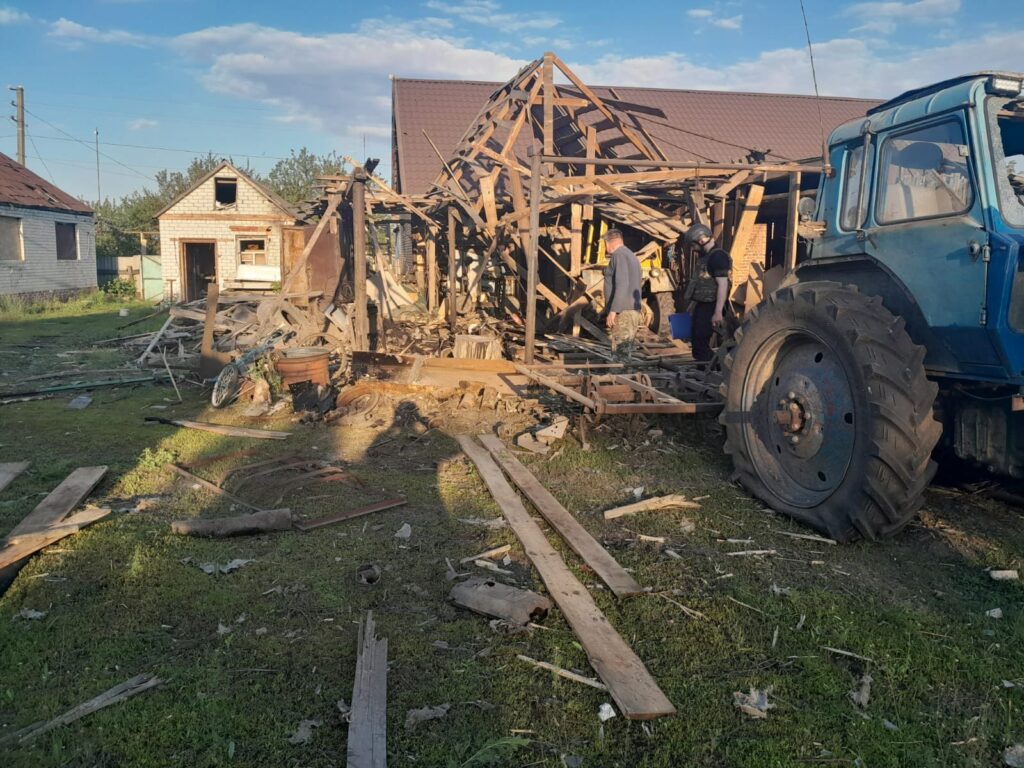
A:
828, 411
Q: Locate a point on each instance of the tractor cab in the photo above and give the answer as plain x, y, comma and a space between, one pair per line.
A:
926, 210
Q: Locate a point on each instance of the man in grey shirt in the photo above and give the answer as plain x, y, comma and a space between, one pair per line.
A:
621, 294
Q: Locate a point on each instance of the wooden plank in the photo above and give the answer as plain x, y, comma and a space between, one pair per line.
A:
792, 221
547, 74
351, 514
367, 726
61, 500
222, 429
634, 690
531, 259
19, 546
487, 195
8, 472
672, 501
745, 229
567, 526
659, 218
576, 240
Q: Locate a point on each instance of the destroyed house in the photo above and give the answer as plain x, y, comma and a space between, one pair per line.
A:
430, 118
227, 227
47, 237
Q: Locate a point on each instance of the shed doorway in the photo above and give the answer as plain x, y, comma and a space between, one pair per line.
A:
199, 267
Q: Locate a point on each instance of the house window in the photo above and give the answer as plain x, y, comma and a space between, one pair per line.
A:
225, 192
11, 248
67, 242
252, 252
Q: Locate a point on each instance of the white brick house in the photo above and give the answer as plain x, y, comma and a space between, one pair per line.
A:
227, 227
47, 237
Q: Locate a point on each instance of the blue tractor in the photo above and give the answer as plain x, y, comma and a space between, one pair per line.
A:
902, 332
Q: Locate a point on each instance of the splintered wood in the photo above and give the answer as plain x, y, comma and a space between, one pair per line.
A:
367, 728
649, 505
630, 684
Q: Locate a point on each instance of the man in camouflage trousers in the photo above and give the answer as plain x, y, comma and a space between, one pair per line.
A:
622, 287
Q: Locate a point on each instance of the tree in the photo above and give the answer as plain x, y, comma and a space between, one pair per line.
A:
295, 177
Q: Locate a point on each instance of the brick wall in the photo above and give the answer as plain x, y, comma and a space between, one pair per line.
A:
40, 272
195, 217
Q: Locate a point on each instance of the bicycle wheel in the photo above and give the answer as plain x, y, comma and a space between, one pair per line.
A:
226, 387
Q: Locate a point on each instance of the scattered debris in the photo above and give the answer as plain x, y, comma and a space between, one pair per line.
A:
808, 537
222, 429
862, 694
304, 733
686, 525
493, 523
367, 729
995, 613
841, 652
778, 591
1006, 575
415, 717
212, 568
80, 402
754, 704
368, 574
308, 525
1014, 756
30, 613
404, 533
751, 553
517, 606
593, 683
117, 694
650, 505
529, 441
223, 629
605, 712
889, 725
487, 565
495, 552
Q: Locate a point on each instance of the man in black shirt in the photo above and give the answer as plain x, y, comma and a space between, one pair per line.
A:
708, 290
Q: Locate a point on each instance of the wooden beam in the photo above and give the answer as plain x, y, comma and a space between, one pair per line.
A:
8, 472
576, 239
531, 259
368, 722
547, 73
361, 321
630, 684
453, 275
745, 228
18, 546
487, 195
792, 221
659, 218
431, 272
567, 526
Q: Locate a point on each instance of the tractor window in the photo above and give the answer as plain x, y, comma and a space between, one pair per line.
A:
924, 173
1008, 157
852, 170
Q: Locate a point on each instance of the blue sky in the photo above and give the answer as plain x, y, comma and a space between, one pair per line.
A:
254, 80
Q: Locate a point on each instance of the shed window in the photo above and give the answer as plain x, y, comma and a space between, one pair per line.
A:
225, 192
11, 248
252, 252
67, 242
925, 173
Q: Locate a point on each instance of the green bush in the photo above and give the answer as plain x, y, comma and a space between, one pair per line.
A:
120, 289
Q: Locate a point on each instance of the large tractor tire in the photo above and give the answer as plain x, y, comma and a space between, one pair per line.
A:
828, 412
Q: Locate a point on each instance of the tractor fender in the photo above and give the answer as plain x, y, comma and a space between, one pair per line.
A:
873, 278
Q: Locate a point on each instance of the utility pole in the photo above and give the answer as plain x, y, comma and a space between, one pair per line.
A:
97, 132
19, 118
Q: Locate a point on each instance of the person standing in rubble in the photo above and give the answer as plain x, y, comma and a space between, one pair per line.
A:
708, 291
622, 286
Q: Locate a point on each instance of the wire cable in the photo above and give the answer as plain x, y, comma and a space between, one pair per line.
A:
817, 96
39, 155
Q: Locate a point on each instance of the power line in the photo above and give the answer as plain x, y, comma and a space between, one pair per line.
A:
87, 146
817, 96
172, 149
45, 166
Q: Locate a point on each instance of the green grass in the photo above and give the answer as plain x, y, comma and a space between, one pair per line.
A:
120, 601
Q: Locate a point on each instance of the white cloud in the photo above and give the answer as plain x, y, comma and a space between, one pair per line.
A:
885, 16
488, 13
700, 13
336, 83
12, 16
142, 123
733, 22
846, 67
74, 35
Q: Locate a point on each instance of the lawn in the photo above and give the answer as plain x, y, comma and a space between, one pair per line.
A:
246, 656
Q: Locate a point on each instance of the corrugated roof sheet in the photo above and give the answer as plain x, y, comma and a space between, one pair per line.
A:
687, 125
20, 187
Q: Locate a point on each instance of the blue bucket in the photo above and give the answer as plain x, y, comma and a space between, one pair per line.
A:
682, 325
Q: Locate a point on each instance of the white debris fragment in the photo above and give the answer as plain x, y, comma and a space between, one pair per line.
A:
493, 523
995, 613
754, 704
304, 732
234, 565
638, 492
30, 613
404, 533
1014, 756
862, 695
416, 716
224, 630
889, 725
605, 712
1006, 575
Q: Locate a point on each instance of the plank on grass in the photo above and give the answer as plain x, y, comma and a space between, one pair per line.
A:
368, 725
8, 472
61, 500
567, 526
650, 505
630, 684
17, 547
222, 429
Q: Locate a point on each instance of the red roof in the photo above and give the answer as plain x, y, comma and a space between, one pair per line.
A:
22, 188
716, 126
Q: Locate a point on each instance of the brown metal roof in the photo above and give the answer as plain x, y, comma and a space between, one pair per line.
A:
716, 126
22, 188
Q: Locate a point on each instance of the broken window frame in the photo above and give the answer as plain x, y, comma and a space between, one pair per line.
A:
240, 251
224, 182
72, 242
1011, 206
15, 230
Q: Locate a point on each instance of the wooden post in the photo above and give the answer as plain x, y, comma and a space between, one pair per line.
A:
547, 74
576, 240
453, 277
431, 270
361, 325
718, 222
531, 257
792, 220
